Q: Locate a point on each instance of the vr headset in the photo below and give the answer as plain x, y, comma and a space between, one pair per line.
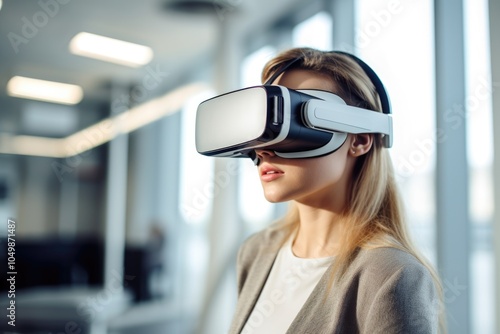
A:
292, 123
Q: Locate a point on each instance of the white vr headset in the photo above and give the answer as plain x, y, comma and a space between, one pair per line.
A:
292, 123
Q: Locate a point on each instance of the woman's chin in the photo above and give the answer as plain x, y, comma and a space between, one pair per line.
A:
274, 197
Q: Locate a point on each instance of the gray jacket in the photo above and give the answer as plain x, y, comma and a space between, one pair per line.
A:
385, 290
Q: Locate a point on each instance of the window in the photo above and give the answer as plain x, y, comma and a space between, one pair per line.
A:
315, 32
393, 40
255, 210
480, 159
196, 189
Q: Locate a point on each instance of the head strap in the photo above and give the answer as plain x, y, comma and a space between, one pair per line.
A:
379, 86
282, 69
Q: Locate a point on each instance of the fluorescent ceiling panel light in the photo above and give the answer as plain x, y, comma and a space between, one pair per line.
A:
130, 120
42, 90
102, 131
32, 145
111, 50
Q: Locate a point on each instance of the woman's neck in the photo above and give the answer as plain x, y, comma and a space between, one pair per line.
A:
319, 232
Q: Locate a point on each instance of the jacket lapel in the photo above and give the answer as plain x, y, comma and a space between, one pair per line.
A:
254, 284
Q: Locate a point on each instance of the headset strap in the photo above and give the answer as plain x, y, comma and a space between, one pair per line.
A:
379, 86
282, 69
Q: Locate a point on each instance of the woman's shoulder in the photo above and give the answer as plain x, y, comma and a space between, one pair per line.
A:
380, 265
388, 258
394, 290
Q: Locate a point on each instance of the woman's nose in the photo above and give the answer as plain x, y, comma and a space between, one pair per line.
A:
262, 154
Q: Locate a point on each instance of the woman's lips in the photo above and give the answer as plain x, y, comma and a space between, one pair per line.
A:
269, 173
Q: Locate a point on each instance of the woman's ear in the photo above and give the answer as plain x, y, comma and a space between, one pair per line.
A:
360, 144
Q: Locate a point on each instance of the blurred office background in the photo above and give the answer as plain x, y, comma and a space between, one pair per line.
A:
121, 227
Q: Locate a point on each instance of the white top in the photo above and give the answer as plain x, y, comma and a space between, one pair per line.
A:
290, 282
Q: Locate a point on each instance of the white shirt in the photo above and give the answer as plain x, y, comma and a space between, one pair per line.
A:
290, 282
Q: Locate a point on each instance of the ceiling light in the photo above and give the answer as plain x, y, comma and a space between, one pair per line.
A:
111, 50
43, 90
102, 131
132, 119
31, 145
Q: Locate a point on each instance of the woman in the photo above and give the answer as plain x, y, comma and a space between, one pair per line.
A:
341, 261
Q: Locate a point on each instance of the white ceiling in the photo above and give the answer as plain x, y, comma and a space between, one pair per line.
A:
178, 39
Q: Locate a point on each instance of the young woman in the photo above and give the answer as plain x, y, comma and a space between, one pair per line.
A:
341, 261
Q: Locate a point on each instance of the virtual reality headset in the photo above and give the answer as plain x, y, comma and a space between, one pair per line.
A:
292, 123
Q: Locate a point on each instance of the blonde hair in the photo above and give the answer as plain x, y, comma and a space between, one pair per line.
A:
374, 215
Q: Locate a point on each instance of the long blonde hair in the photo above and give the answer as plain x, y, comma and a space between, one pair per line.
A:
374, 215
